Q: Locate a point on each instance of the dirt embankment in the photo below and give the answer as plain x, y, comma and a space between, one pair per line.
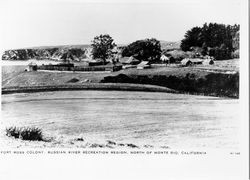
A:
87, 86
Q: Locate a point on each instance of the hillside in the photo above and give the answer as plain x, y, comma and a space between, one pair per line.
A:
72, 52
59, 53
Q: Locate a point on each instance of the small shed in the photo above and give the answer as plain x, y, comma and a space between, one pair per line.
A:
143, 65
31, 67
186, 62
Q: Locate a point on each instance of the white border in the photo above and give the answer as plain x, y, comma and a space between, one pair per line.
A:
215, 165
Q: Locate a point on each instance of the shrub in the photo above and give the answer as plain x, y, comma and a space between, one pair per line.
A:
74, 80
236, 54
121, 78
25, 133
13, 131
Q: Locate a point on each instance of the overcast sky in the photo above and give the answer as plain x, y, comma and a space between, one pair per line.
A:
28, 23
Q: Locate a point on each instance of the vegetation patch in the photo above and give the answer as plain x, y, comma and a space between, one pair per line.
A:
25, 133
147, 49
218, 40
213, 84
74, 80
132, 145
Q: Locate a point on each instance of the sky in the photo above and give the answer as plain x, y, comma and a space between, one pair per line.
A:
27, 23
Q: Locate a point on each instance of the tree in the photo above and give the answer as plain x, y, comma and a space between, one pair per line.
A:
192, 38
102, 47
147, 49
217, 40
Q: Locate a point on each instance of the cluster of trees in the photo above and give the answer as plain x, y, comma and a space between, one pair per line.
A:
218, 40
148, 49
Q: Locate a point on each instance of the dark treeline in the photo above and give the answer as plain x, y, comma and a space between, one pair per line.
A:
218, 40
214, 84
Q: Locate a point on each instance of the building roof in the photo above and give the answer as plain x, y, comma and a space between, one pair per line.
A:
143, 63
163, 57
123, 59
128, 60
184, 61
96, 60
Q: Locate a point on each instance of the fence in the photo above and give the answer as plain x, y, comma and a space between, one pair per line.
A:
79, 68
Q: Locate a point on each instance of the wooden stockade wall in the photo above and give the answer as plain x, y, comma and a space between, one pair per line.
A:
70, 67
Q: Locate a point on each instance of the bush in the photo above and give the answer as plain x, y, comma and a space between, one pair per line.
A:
25, 133
121, 78
74, 80
236, 54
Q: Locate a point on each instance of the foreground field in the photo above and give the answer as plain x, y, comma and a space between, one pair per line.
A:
122, 119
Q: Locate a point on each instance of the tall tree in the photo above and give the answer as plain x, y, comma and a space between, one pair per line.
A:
192, 38
102, 46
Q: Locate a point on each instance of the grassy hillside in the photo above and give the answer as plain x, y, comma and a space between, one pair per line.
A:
16, 76
217, 80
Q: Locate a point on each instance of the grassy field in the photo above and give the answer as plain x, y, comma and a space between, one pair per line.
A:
16, 76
